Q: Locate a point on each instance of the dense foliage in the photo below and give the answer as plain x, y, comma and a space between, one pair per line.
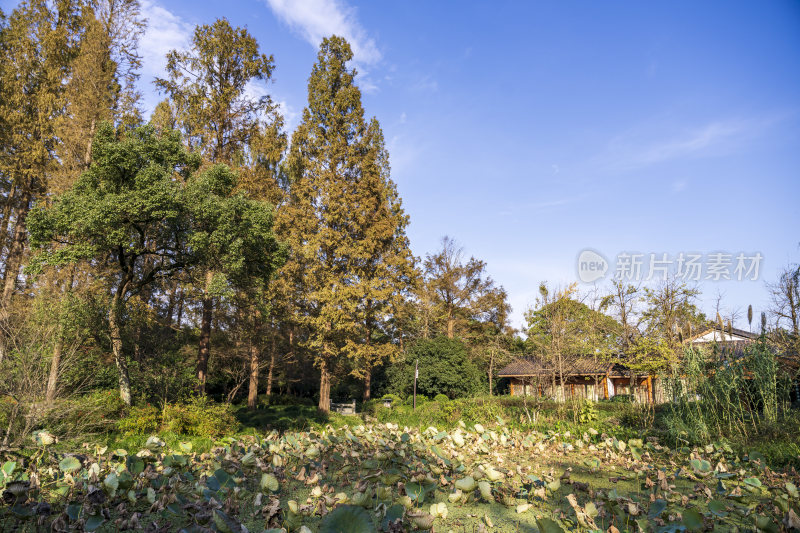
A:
444, 368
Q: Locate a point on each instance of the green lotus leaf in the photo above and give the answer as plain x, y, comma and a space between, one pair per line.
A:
656, 508
73, 511
312, 452
69, 464
548, 525
415, 491
111, 483
393, 514
93, 522
347, 519
224, 523
8, 468
718, 508
766, 524
692, 519
701, 465
154, 444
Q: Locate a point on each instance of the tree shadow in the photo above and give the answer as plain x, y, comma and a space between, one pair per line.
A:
281, 417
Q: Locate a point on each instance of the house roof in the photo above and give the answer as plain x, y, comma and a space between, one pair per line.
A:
712, 327
581, 366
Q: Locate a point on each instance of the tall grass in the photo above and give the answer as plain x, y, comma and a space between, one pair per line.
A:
724, 395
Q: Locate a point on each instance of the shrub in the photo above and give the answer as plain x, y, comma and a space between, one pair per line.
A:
441, 398
420, 399
140, 421
622, 398
444, 368
396, 400
588, 412
201, 417
93, 413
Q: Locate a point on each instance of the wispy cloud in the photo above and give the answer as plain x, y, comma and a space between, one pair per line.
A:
644, 148
426, 84
315, 19
693, 142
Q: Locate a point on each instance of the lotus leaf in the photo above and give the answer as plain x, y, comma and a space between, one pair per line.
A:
347, 519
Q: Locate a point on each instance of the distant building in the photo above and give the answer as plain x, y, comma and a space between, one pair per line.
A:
585, 377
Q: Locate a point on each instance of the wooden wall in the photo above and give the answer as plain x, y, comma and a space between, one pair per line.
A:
581, 388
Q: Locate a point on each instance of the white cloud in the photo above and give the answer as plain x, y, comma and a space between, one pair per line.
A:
291, 116
165, 32
315, 19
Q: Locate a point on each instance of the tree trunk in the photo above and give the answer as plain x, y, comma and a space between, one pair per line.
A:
368, 374
9, 205
116, 346
491, 368
52, 380
15, 249
179, 318
252, 393
324, 389
367, 385
451, 325
271, 372
205, 337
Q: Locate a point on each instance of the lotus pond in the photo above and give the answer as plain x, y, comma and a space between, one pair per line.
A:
382, 477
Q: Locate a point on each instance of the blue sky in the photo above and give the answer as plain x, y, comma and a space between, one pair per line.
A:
531, 131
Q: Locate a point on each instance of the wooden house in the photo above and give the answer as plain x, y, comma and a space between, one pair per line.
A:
584, 377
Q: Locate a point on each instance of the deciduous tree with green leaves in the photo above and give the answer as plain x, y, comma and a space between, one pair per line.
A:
209, 101
141, 214
126, 216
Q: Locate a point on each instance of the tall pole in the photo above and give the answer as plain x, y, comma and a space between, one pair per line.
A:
416, 375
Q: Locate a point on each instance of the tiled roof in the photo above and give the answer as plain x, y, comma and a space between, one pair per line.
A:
533, 366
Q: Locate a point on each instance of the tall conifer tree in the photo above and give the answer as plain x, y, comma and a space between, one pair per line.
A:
347, 228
